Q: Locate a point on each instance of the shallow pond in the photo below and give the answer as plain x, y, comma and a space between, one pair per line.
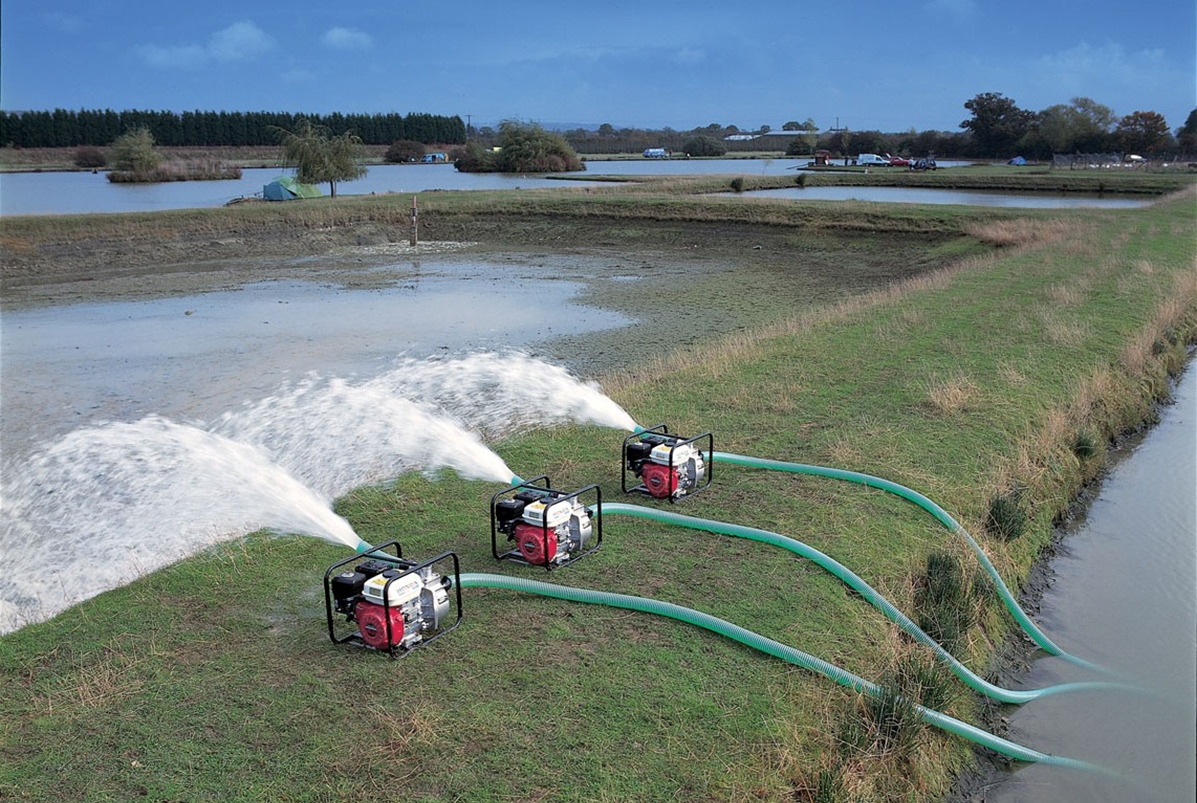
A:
85, 193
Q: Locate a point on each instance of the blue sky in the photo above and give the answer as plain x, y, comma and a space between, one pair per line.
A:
645, 63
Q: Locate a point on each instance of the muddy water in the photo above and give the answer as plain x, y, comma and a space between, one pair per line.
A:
196, 357
1124, 594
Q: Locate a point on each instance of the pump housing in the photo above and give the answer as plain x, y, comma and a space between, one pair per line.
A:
548, 527
394, 605
667, 466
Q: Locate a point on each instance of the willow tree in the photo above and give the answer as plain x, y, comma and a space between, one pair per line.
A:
320, 158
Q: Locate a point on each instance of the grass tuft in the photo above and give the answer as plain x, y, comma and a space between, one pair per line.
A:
1006, 519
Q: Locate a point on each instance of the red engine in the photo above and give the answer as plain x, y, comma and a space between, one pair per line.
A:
394, 604
550, 527
661, 481
372, 623
668, 466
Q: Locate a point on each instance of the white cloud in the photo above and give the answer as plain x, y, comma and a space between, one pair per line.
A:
347, 39
241, 41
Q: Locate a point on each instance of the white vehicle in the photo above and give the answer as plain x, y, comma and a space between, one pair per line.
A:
872, 160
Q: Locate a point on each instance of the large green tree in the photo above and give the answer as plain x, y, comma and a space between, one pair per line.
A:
997, 123
1143, 132
1083, 125
320, 158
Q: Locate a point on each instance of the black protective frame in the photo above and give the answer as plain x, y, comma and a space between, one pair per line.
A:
678, 440
549, 493
355, 637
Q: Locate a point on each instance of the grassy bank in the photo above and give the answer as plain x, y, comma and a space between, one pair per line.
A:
214, 679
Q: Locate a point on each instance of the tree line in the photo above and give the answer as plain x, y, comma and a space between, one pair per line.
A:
997, 128
63, 128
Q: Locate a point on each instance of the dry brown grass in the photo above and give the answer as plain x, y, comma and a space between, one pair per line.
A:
400, 732
1064, 330
952, 395
1022, 231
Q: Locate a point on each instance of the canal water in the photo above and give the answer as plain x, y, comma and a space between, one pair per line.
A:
1123, 593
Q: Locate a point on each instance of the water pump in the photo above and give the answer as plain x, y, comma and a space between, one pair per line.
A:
549, 527
668, 466
395, 605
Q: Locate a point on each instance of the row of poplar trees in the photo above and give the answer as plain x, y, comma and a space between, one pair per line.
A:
64, 129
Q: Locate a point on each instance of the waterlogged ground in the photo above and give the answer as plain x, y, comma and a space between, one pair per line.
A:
152, 411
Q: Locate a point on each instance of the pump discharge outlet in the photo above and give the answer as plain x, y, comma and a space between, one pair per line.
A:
667, 466
394, 605
547, 526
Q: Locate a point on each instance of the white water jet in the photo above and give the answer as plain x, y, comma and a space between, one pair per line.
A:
108, 503
497, 394
336, 436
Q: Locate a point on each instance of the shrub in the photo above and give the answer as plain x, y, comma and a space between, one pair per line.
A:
1084, 446
1006, 519
943, 604
90, 157
476, 159
403, 150
737, 184
134, 152
704, 146
523, 148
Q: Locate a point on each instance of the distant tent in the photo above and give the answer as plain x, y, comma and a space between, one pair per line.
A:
286, 188
1017, 160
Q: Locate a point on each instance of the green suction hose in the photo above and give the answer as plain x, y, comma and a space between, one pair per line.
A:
773, 648
911, 495
870, 594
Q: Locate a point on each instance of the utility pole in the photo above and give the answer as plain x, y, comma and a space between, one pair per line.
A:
415, 218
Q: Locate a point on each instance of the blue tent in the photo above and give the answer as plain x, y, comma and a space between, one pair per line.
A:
286, 188
1017, 160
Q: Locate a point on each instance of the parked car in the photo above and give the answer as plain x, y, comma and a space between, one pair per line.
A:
872, 160
923, 164
898, 161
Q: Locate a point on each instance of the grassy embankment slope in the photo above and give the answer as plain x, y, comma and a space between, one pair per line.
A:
214, 679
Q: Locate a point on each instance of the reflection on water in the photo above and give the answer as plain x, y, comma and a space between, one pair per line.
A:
1124, 593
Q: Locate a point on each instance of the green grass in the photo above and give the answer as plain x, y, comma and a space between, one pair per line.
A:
214, 679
